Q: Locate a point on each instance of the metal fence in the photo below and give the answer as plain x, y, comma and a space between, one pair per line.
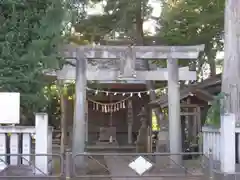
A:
28, 167
147, 166
116, 166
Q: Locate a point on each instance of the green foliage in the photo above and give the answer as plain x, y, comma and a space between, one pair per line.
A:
213, 115
182, 23
30, 34
119, 17
194, 22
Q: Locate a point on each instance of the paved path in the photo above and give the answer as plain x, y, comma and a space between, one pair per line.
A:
118, 166
18, 171
22, 172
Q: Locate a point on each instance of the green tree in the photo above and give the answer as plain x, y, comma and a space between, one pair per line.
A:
194, 22
122, 17
30, 35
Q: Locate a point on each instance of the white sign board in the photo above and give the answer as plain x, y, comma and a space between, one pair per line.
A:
9, 108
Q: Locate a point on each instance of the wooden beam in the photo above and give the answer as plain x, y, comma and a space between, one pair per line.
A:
68, 72
204, 95
190, 105
104, 98
142, 52
188, 113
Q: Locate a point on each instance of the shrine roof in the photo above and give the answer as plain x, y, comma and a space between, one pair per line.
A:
204, 90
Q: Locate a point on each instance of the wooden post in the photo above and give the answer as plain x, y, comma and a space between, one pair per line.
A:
174, 111
195, 130
199, 120
188, 120
78, 145
130, 121
63, 128
86, 122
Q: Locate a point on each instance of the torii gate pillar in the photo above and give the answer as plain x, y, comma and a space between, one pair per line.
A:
175, 135
127, 56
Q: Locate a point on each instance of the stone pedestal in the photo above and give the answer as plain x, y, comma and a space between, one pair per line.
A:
142, 139
163, 141
107, 136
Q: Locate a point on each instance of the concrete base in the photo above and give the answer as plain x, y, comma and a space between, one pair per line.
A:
218, 176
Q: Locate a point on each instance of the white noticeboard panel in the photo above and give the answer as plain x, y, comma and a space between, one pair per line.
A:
9, 108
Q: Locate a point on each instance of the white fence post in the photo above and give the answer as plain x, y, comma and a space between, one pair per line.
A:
26, 148
50, 135
3, 150
14, 148
41, 146
228, 152
211, 141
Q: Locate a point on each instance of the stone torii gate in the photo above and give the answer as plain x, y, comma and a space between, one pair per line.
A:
127, 56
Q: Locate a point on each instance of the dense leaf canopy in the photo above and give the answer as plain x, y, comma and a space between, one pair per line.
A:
194, 22
181, 23
31, 32
29, 37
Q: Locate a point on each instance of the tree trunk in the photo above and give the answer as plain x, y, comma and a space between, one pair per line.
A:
212, 64
140, 41
63, 106
211, 57
231, 73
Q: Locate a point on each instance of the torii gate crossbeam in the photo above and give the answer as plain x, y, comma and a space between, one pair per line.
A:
127, 56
